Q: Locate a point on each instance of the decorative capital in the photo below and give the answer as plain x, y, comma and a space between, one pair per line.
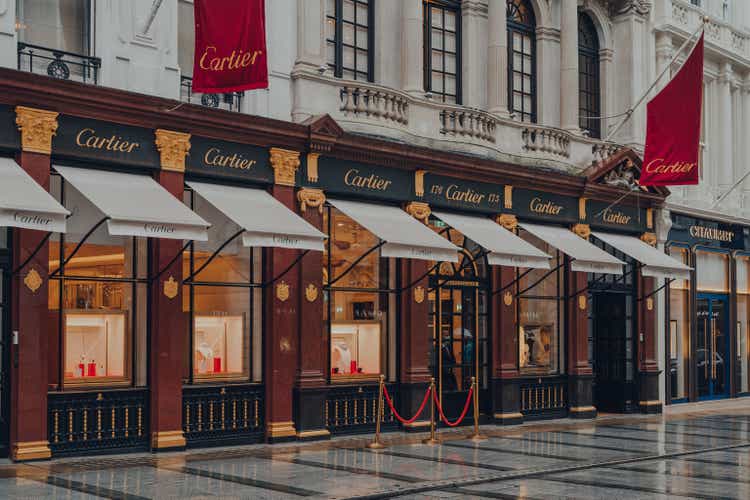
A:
582, 230
37, 127
173, 148
650, 218
581, 208
285, 164
649, 239
310, 197
508, 221
419, 210
419, 183
312, 167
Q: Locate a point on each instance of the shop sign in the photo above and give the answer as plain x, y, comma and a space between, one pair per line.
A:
545, 206
694, 231
230, 160
336, 176
623, 217
441, 191
108, 142
10, 137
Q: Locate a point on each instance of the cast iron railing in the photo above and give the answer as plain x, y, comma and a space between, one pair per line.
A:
352, 408
544, 398
231, 101
223, 414
58, 63
96, 421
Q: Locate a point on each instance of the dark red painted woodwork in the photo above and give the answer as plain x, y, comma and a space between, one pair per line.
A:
504, 332
415, 338
577, 325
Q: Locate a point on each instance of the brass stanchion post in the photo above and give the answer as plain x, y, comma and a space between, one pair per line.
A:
476, 436
433, 438
376, 444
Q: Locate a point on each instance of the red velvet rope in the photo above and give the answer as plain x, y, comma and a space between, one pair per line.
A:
399, 417
463, 413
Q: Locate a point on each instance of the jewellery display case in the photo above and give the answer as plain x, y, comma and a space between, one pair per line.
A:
355, 350
95, 346
219, 346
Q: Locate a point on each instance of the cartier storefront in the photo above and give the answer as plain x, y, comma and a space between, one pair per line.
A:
196, 277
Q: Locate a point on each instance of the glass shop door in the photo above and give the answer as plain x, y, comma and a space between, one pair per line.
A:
712, 353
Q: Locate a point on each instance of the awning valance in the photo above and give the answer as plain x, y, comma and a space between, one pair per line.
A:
504, 248
136, 205
586, 257
24, 203
403, 235
655, 262
266, 221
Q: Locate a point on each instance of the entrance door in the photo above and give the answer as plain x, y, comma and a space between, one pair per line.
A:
613, 353
4, 343
712, 353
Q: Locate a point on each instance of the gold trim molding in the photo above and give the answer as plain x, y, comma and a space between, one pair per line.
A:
38, 127
650, 402
419, 210
167, 439
173, 148
280, 429
508, 221
582, 208
313, 434
582, 302
649, 304
581, 409
582, 230
508, 198
312, 166
311, 197
419, 424
285, 164
33, 280
507, 416
30, 450
650, 218
419, 183
649, 239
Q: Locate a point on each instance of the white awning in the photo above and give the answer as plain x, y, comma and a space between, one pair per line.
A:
586, 257
24, 203
136, 205
404, 236
504, 247
266, 221
655, 262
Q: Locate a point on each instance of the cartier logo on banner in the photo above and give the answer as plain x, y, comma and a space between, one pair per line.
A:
230, 46
673, 127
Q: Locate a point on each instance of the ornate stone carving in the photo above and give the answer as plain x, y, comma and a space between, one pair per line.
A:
419, 294
311, 292
173, 148
282, 291
419, 182
624, 176
33, 280
508, 221
640, 7
285, 164
312, 198
171, 288
37, 127
582, 230
508, 299
419, 210
649, 239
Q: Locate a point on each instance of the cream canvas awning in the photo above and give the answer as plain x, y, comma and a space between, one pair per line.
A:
267, 222
404, 236
586, 257
26, 204
504, 248
136, 205
655, 263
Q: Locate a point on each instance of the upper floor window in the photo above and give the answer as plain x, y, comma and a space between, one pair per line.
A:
442, 49
521, 60
589, 100
55, 24
185, 37
349, 38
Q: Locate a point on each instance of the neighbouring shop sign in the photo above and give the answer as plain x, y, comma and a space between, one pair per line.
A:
230, 160
694, 231
601, 214
337, 176
544, 206
81, 138
441, 191
10, 137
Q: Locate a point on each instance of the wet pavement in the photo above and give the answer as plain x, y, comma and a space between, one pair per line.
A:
693, 451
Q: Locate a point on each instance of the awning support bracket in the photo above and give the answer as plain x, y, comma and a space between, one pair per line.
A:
423, 276
78, 247
547, 274
602, 278
213, 256
174, 259
283, 273
666, 284
33, 254
357, 261
512, 283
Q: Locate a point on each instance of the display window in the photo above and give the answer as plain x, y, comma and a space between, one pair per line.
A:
743, 322
712, 271
359, 304
98, 295
223, 297
678, 331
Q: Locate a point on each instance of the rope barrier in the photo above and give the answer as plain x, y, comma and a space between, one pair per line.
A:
395, 413
463, 413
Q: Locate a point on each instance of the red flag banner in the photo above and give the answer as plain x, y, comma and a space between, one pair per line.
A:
230, 46
673, 127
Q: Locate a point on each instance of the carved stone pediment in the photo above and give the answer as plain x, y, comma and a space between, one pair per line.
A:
621, 170
324, 132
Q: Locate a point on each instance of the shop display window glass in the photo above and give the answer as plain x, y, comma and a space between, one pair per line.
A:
712, 271
540, 310
223, 299
679, 330
743, 322
3, 238
359, 303
54, 24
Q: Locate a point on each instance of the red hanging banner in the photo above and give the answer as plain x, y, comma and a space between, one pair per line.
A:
673, 127
230, 46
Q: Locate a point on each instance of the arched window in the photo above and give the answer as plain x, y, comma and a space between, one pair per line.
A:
589, 101
521, 60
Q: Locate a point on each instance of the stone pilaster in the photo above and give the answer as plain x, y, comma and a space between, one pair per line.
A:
569, 65
474, 53
412, 47
497, 59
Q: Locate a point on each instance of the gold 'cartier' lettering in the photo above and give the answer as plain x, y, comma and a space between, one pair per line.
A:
372, 181
657, 166
544, 207
215, 157
615, 217
466, 195
237, 59
87, 138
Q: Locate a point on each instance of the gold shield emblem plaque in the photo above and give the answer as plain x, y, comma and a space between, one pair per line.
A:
33, 281
582, 302
650, 304
282, 291
507, 298
311, 292
419, 295
171, 288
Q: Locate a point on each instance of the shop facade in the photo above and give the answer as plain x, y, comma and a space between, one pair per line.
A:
215, 278
707, 315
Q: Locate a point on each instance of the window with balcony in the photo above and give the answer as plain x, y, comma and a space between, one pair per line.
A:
442, 50
521, 60
589, 100
349, 38
54, 38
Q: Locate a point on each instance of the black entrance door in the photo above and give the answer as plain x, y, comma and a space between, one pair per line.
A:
614, 385
4, 342
712, 346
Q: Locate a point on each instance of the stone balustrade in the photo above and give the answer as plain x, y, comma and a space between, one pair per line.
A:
468, 123
547, 140
374, 103
688, 17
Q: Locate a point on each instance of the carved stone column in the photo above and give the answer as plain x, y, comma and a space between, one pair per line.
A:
412, 46
497, 58
281, 307
168, 321
29, 302
310, 386
474, 58
569, 65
